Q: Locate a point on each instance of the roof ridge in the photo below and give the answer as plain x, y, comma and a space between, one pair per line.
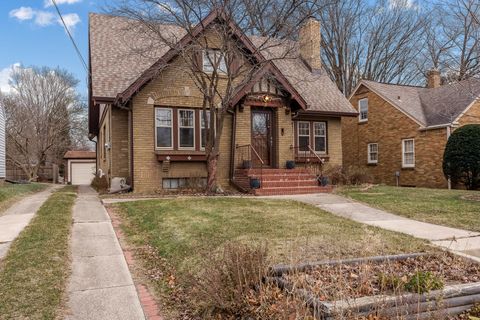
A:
395, 84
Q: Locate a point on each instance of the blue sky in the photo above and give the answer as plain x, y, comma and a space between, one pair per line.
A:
32, 35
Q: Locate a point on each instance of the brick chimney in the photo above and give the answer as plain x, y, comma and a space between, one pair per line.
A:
433, 78
310, 38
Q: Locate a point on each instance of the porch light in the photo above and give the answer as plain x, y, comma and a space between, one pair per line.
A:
266, 98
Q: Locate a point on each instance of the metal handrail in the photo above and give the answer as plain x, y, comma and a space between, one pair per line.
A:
315, 154
262, 163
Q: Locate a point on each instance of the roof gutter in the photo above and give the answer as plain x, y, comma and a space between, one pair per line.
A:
325, 113
438, 126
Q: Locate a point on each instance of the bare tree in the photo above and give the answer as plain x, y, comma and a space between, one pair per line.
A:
233, 63
41, 111
378, 41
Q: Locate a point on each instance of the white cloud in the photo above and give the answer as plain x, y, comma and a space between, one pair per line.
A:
5, 75
49, 3
22, 13
71, 20
402, 4
44, 18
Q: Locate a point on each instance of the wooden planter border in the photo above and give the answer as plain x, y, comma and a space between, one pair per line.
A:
451, 300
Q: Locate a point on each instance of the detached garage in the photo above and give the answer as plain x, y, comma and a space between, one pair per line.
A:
80, 168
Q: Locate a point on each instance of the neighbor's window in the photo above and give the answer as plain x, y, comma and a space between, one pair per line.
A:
186, 128
204, 124
212, 58
303, 135
373, 153
363, 110
163, 124
320, 135
408, 153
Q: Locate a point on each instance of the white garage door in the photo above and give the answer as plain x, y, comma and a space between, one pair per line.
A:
82, 173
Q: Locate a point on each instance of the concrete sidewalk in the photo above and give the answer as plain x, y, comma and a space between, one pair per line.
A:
18, 216
458, 240
101, 286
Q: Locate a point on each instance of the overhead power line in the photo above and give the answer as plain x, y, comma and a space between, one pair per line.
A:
84, 64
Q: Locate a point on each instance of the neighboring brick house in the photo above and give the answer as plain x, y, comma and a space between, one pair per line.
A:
150, 132
401, 131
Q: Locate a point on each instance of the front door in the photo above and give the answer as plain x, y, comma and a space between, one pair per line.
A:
262, 137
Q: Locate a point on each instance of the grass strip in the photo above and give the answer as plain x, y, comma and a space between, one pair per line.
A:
452, 208
33, 275
9, 193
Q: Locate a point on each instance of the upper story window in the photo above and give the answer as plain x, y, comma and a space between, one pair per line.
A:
164, 128
408, 153
214, 58
303, 135
320, 136
372, 153
363, 110
186, 128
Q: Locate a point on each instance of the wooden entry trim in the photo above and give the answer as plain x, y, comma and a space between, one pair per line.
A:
270, 160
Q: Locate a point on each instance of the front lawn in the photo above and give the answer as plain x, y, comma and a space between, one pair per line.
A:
10, 193
185, 233
33, 274
453, 208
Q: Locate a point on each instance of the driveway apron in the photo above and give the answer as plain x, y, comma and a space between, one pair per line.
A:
18, 216
101, 286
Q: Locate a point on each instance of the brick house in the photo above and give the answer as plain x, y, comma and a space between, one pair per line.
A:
149, 129
401, 131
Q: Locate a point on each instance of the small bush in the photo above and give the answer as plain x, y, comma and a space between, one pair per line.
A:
424, 281
356, 175
100, 184
335, 174
461, 160
391, 282
229, 278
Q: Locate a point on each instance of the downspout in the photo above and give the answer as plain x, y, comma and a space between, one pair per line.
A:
232, 152
449, 132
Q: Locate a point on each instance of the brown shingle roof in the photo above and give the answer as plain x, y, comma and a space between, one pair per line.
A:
119, 56
77, 154
429, 106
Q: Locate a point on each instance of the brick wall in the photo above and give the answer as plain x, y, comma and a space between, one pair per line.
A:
120, 145
285, 140
387, 126
472, 116
104, 156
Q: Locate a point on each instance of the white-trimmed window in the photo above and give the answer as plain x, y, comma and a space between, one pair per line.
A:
303, 135
320, 136
164, 128
408, 153
363, 110
372, 151
212, 58
204, 123
186, 129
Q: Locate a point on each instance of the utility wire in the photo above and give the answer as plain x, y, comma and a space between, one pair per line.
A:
84, 64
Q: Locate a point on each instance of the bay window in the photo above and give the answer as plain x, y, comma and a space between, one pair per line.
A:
186, 128
320, 136
164, 129
303, 135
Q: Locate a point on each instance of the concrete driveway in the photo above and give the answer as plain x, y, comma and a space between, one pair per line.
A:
457, 240
18, 216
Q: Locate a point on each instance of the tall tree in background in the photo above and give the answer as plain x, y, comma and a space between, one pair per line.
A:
230, 65
378, 41
42, 113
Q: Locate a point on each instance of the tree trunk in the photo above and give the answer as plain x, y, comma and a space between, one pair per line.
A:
212, 160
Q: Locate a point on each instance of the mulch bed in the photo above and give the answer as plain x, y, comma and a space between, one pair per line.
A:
336, 282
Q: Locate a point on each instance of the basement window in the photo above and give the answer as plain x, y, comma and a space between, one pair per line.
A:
179, 183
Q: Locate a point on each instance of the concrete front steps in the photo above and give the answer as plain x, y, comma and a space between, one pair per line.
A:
279, 181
